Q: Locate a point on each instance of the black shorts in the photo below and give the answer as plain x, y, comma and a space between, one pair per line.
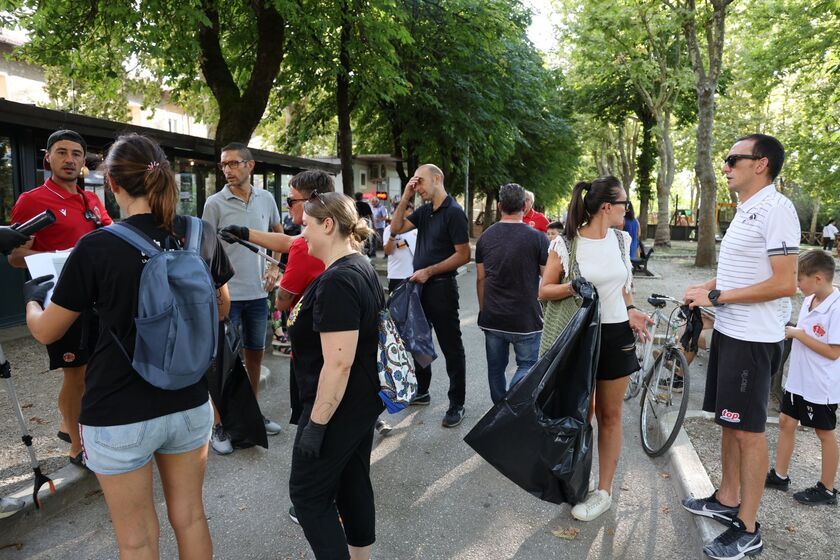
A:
738, 381
76, 346
812, 415
617, 356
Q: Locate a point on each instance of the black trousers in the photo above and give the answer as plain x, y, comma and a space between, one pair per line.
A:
440, 303
336, 483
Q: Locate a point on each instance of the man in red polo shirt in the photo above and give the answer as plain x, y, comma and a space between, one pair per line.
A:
77, 212
536, 220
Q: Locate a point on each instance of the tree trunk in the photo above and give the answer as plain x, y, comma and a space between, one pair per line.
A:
489, 209
241, 111
664, 179
644, 166
342, 97
627, 152
706, 175
813, 231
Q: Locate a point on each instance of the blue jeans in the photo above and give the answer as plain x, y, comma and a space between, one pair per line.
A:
250, 318
526, 348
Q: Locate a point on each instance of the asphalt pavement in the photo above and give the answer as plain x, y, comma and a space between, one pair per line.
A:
436, 499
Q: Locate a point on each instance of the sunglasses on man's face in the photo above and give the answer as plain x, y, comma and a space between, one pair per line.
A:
731, 160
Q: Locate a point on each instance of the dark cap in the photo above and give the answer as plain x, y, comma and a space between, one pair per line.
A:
71, 135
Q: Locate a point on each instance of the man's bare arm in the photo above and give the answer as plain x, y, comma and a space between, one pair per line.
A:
283, 302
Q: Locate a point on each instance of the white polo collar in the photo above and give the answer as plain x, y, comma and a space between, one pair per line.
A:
756, 198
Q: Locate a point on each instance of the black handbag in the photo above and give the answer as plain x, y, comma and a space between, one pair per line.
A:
539, 436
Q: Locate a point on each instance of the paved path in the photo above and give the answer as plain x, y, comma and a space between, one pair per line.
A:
436, 500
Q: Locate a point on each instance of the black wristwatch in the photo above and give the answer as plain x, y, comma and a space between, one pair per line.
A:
713, 297
631, 306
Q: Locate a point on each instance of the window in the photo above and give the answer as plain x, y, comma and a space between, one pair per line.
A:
7, 186
363, 180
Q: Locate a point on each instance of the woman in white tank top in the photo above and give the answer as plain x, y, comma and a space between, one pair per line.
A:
603, 257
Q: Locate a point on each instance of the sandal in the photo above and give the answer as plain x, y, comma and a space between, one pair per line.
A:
283, 351
79, 460
63, 436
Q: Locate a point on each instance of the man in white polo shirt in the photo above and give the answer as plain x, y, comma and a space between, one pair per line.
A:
240, 204
756, 274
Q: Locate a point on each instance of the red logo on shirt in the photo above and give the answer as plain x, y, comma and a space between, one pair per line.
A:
69, 357
819, 330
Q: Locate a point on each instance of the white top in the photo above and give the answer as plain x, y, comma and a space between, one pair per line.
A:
830, 231
600, 263
814, 377
764, 226
401, 261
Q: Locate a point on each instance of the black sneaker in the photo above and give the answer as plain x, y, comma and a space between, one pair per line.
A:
773, 480
293, 515
817, 495
453, 417
677, 387
421, 400
735, 542
712, 508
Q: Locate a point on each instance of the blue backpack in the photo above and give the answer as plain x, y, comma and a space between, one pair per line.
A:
177, 316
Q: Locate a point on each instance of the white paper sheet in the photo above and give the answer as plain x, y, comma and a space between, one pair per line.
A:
42, 264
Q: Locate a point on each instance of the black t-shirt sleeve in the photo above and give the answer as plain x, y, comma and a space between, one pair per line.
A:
479, 252
76, 288
214, 254
456, 224
543, 249
338, 305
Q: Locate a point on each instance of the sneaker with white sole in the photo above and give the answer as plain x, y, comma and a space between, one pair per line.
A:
220, 441
735, 542
593, 506
272, 428
712, 508
293, 516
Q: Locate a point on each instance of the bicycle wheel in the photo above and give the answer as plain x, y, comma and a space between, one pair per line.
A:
663, 402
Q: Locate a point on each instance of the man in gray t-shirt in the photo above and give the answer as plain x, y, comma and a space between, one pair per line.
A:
238, 203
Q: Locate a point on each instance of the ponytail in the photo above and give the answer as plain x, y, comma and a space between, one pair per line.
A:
162, 191
587, 199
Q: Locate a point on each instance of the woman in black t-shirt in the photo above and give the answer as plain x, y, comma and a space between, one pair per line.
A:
125, 421
333, 330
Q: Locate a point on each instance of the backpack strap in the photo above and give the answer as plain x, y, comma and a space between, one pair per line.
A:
194, 231
135, 238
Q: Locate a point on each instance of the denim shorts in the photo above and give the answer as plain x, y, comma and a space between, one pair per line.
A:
127, 447
250, 317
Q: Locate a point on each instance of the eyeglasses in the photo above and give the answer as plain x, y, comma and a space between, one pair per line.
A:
625, 203
291, 201
731, 160
317, 196
233, 164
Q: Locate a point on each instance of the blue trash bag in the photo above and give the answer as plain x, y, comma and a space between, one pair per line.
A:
415, 330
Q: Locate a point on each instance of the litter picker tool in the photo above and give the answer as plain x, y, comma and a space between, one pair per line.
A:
34, 225
40, 478
250, 247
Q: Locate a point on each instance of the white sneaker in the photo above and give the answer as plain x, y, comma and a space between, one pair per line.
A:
594, 505
272, 428
220, 441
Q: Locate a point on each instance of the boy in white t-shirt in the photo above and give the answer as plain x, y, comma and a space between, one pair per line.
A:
400, 252
812, 390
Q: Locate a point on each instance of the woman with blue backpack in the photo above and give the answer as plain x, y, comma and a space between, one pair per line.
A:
334, 335
146, 398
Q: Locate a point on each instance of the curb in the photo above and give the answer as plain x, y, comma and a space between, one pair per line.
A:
72, 484
691, 476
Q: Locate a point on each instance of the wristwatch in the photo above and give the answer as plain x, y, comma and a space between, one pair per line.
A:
713, 297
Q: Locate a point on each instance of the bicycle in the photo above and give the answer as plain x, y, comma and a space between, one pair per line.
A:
664, 401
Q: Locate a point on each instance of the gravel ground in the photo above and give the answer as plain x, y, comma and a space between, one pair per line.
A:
37, 388
789, 529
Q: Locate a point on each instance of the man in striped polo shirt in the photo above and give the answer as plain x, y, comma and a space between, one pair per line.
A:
756, 275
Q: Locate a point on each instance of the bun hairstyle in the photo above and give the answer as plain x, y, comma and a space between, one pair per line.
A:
138, 165
342, 209
587, 199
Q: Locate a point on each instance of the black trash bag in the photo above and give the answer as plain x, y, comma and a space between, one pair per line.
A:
410, 320
539, 435
231, 391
